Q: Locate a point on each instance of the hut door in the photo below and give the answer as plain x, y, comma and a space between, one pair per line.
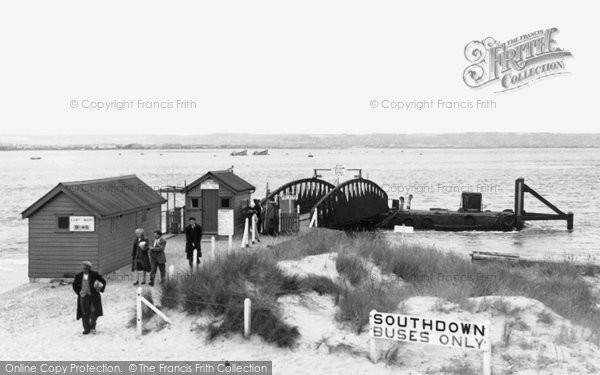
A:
210, 201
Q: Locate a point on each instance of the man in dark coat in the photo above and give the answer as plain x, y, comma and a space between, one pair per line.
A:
87, 285
193, 236
157, 257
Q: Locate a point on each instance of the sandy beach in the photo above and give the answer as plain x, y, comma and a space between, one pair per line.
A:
41, 318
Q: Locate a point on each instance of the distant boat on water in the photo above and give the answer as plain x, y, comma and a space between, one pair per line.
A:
310, 155
35, 158
260, 153
240, 153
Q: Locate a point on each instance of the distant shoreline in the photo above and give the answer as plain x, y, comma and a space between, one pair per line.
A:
472, 140
230, 148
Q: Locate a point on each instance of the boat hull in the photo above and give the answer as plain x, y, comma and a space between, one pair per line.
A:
451, 221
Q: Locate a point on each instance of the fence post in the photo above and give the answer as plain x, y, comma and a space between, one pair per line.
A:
487, 362
230, 243
138, 307
212, 246
487, 353
372, 343
247, 316
171, 272
245, 235
279, 231
253, 230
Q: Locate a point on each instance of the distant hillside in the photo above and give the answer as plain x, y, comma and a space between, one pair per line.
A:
451, 140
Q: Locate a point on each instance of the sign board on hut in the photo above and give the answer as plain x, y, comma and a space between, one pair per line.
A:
435, 331
81, 223
209, 184
225, 222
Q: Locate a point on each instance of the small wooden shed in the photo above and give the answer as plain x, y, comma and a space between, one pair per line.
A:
218, 200
90, 220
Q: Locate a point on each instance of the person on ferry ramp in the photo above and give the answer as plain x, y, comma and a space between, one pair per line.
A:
88, 285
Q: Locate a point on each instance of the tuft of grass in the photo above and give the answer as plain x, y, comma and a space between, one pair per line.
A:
355, 304
351, 267
320, 284
169, 293
220, 291
545, 317
458, 367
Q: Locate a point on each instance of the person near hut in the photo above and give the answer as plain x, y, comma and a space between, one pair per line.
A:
193, 236
157, 257
88, 285
259, 221
140, 261
253, 213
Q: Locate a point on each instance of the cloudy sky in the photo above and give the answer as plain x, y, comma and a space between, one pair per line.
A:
281, 67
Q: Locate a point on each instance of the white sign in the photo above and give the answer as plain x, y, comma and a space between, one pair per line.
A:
403, 229
225, 222
81, 223
209, 185
289, 196
340, 171
417, 329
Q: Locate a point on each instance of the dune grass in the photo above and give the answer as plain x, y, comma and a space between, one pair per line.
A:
431, 272
219, 288
351, 267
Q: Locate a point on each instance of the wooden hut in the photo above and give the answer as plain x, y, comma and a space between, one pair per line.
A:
218, 200
89, 220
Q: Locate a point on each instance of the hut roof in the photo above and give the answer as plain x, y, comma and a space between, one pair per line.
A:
104, 197
227, 178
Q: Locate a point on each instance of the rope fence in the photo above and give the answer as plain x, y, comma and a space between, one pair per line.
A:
141, 300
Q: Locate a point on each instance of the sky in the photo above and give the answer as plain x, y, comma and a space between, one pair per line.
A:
190, 67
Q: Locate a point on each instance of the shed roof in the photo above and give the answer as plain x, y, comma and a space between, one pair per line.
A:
225, 177
104, 197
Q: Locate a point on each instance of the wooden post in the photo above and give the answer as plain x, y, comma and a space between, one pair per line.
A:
373, 355
279, 231
253, 230
487, 361
230, 243
313, 220
195, 260
171, 272
157, 311
245, 235
487, 353
570, 220
247, 316
519, 202
138, 306
212, 247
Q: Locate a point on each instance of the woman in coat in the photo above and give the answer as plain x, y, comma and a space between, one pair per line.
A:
140, 261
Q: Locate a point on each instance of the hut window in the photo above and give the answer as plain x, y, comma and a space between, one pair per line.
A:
195, 203
63, 222
225, 203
